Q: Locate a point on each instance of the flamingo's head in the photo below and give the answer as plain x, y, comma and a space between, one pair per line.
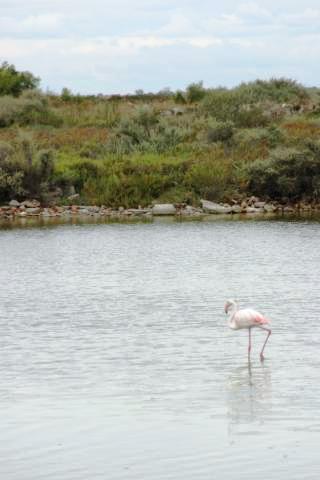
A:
230, 304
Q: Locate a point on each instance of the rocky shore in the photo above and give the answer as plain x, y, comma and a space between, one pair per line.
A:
248, 206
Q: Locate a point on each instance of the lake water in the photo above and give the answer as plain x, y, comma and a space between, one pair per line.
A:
116, 361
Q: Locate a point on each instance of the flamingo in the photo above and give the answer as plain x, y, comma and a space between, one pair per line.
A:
246, 318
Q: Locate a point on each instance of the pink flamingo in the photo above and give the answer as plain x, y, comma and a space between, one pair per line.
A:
246, 318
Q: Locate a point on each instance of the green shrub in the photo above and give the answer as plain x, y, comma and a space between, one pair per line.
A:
250, 117
278, 90
9, 110
30, 108
179, 98
222, 104
287, 173
220, 131
13, 82
195, 92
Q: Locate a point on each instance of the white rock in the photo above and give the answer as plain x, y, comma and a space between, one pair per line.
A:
269, 208
236, 209
254, 210
164, 209
212, 207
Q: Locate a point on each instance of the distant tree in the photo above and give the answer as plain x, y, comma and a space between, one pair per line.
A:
13, 82
195, 92
179, 97
165, 92
66, 94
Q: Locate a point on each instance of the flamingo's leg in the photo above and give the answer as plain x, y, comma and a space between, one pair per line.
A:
249, 346
265, 342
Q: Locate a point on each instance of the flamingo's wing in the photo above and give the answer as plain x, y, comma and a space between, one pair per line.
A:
246, 318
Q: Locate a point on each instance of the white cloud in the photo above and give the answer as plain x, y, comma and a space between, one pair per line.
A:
120, 45
33, 24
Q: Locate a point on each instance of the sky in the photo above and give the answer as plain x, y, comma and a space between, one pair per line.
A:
119, 46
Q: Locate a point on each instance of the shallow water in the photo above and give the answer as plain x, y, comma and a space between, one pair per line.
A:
116, 362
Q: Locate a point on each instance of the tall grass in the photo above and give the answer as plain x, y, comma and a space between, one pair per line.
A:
139, 149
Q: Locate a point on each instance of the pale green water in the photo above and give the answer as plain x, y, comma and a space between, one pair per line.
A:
116, 362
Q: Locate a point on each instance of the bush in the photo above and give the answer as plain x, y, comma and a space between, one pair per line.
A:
250, 117
212, 177
220, 131
13, 82
29, 109
179, 98
9, 110
288, 172
195, 92
271, 136
276, 90
222, 104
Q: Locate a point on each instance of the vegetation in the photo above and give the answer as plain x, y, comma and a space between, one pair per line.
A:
13, 82
259, 138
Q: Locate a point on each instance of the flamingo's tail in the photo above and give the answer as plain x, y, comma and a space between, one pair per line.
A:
261, 320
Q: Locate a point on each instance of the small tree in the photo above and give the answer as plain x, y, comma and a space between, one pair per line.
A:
13, 82
195, 92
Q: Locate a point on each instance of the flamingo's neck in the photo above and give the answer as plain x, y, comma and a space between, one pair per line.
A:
232, 310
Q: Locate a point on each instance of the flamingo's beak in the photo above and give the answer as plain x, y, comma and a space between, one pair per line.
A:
225, 308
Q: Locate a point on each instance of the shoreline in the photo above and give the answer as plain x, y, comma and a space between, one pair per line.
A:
252, 206
38, 221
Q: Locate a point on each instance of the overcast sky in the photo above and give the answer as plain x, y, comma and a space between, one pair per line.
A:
118, 46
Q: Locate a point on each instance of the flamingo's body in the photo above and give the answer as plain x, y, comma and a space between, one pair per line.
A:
246, 318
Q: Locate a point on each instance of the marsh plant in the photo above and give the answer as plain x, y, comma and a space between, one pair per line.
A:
259, 138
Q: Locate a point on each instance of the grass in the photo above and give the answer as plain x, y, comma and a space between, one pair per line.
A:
137, 150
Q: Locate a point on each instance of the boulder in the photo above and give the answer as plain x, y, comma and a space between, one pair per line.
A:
94, 209
14, 203
212, 207
138, 211
164, 209
33, 211
288, 209
269, 208
31, 203
189, 210
236, 209
254, 210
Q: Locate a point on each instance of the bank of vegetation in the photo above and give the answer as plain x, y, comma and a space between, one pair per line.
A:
260, 138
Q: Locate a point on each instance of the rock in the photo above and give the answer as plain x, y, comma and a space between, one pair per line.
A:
164, 209
33, 211
259, 204
236, 209
178, 111
252, 200
288, 209
22, 214
94, 209
212, 207
138, 211
45, 213
31, 203
14, 203
254, 210
269, 208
